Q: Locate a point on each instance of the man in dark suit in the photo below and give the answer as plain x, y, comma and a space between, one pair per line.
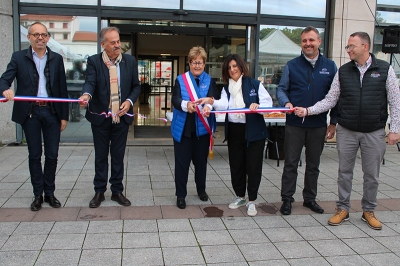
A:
39, 72
111, 86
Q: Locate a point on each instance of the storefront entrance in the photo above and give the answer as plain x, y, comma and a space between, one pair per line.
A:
162, 56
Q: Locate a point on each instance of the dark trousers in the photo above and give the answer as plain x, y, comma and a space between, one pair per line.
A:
109, 138
313, 140
245, 158
194, 149
42, 121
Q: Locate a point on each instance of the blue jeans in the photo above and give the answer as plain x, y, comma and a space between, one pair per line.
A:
42, 121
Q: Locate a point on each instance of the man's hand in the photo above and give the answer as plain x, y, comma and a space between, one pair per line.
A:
393, 138
83, 100
9, 94
124, 108
63, 125
289, 105
330, 132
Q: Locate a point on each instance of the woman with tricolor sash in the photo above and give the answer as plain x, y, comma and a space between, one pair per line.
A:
191, 131
245, 132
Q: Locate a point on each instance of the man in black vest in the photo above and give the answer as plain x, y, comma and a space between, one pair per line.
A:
362, 88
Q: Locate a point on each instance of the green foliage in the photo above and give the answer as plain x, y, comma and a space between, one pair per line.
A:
293, 34
265, 32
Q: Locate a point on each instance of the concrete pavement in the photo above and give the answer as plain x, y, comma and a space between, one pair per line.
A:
153, 231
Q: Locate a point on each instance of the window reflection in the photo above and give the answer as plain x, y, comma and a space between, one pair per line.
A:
172, 4
76, 2
304, 8
248, 6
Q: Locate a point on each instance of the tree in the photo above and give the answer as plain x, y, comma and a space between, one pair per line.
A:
265, 32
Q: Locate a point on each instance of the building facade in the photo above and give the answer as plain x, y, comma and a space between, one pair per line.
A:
264, 32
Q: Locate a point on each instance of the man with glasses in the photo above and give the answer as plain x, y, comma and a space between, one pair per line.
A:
306, 79
362, 89
39, 72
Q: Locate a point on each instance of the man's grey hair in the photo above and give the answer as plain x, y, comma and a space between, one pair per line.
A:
105, 30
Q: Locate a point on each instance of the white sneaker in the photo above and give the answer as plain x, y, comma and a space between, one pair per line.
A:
251, 208
238, 202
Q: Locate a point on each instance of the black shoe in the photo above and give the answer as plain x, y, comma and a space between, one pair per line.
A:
313, 206
121, 199
203, 196
286, 208
53, 201
181, 203
97, 199
37, 203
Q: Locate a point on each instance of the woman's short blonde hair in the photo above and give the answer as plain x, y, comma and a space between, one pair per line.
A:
195, 52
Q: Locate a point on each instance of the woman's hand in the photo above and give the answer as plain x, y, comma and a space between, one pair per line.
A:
191, 107
253, 106
206, 100
206, 111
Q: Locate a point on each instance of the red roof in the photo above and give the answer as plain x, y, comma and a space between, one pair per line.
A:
85, 36
43, 18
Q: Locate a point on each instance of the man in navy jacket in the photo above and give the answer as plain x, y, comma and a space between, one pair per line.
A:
306, 80
108, 135
39, 72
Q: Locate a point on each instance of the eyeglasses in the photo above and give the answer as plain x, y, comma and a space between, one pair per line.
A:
351, 47
193, 63
43, 35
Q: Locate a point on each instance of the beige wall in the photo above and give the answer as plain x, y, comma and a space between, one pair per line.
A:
347, 17
7, 127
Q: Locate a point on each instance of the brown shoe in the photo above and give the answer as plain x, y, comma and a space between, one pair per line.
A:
339, 217
370, 219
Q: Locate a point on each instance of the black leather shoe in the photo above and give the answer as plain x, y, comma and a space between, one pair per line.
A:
121, 199
53, 201
313, 206
181, 203
37, 203
97, 199
203, 196
286, 208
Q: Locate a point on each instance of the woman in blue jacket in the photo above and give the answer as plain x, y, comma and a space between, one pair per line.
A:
190, 130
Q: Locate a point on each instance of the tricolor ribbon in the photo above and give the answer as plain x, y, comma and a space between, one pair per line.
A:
40, 99
259, 110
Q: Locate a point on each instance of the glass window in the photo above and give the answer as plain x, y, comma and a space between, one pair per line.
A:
172, 4
388, 2
388, 17
75, 43
278, 44
248, 6
305, 8
74, 2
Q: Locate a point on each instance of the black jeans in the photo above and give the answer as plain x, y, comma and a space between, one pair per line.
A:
313, 140
42, 121
245, 161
